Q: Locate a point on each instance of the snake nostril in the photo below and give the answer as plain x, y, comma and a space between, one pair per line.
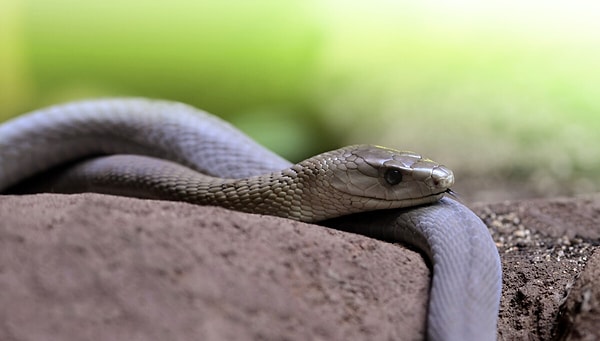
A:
442, 177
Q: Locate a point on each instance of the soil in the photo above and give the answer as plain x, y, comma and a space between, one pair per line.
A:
548, 250
94, 267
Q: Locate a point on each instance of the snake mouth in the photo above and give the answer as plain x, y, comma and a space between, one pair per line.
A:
371, 203
431, 197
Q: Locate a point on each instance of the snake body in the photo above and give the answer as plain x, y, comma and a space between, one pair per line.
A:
182, 153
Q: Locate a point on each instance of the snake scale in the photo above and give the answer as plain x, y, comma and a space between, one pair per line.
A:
167, 150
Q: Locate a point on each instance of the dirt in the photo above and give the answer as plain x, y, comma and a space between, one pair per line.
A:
545, 246
92, 267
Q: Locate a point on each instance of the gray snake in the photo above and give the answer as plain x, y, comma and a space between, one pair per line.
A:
181, 153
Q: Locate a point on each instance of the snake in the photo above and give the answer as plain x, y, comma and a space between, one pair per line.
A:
167, 150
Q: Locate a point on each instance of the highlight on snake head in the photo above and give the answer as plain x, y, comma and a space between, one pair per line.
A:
371, 177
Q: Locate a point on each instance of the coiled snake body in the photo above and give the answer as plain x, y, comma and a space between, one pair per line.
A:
181, 153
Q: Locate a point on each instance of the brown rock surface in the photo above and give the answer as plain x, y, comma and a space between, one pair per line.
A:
544, 246
94, 267
90, 267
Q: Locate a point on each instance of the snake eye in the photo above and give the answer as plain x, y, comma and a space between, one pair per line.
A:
393, 176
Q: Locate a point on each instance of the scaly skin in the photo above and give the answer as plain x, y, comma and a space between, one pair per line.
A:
467, 274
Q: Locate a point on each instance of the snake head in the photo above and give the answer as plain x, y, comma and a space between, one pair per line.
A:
367, 177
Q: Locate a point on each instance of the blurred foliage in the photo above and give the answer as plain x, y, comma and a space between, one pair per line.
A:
506, 93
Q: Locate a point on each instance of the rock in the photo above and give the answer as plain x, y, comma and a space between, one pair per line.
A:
96, 267
544, 245
91, 267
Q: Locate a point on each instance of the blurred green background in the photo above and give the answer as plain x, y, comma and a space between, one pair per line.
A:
507, 93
